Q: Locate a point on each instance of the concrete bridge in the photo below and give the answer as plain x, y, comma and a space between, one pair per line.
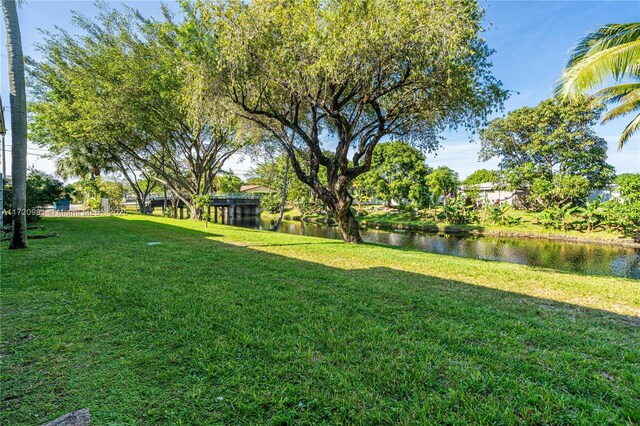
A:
223, 206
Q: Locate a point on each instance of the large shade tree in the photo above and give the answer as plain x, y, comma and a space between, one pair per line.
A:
610, 54
350, 73
129, 88
550, 148
18, 104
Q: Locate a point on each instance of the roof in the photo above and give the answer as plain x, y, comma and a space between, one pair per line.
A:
484, 186
260, 188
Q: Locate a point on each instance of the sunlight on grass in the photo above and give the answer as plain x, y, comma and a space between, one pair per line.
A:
617, 295
227, 325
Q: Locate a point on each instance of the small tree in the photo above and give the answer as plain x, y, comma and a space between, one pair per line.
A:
227, 182
482, 176
443, 182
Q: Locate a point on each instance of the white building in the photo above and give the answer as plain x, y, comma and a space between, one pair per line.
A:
491, 193
609, 192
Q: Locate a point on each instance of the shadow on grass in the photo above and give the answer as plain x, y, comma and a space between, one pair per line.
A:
199, 331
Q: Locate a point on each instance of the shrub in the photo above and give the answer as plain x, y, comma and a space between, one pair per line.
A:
457, 213
558, 217
622, 217
271, 202
42, 190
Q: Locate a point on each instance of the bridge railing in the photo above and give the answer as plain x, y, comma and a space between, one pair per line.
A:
224, 196
236, 195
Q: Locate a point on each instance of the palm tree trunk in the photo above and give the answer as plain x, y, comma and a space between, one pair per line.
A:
18, 103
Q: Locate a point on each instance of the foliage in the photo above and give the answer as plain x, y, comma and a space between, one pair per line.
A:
42, 190
443, 182
202, 203
611, 52
92, 190
622, 217
552, 139
397, 173
629, 185
499, 215
481, 176
132, 93
228, 182
592, 214
558, 217
360, 71
458, 213
271, 202
561, 190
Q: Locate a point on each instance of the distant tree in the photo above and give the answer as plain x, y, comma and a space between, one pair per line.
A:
611, 52
443, 181
560, 190
228, 182
629, 184
398, 171
264, 173
482, 176
92, 190
553, 138
359, 70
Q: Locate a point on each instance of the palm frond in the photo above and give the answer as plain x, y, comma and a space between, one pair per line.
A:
629, 131
604, 38
615, 62
615, 93
622, 109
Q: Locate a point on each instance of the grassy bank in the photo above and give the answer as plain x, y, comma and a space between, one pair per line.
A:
235, 326
386, 218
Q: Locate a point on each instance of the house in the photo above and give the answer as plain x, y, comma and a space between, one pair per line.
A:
489, 192
257, 189
609, 192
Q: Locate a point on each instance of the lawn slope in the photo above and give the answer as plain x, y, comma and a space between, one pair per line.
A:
234, 326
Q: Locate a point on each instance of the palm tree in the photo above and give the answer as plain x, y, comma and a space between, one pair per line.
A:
18, 103
610, 52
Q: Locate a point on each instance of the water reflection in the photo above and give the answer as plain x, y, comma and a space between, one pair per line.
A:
574, 257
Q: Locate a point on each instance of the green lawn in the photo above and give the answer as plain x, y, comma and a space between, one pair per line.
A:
233, 326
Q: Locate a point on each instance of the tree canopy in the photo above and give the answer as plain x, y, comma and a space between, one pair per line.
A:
443, 181
398, 173
355, 72
553, 138
129, 91
482, 176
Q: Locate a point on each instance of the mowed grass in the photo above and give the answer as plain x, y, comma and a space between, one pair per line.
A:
233, 326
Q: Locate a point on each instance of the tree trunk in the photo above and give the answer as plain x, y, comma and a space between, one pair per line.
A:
348, 226
18, 104
340, 205
141, 203
284, 196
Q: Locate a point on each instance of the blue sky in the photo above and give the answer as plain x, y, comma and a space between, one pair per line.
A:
531, 40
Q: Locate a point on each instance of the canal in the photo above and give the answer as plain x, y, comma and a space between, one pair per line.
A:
592, 259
